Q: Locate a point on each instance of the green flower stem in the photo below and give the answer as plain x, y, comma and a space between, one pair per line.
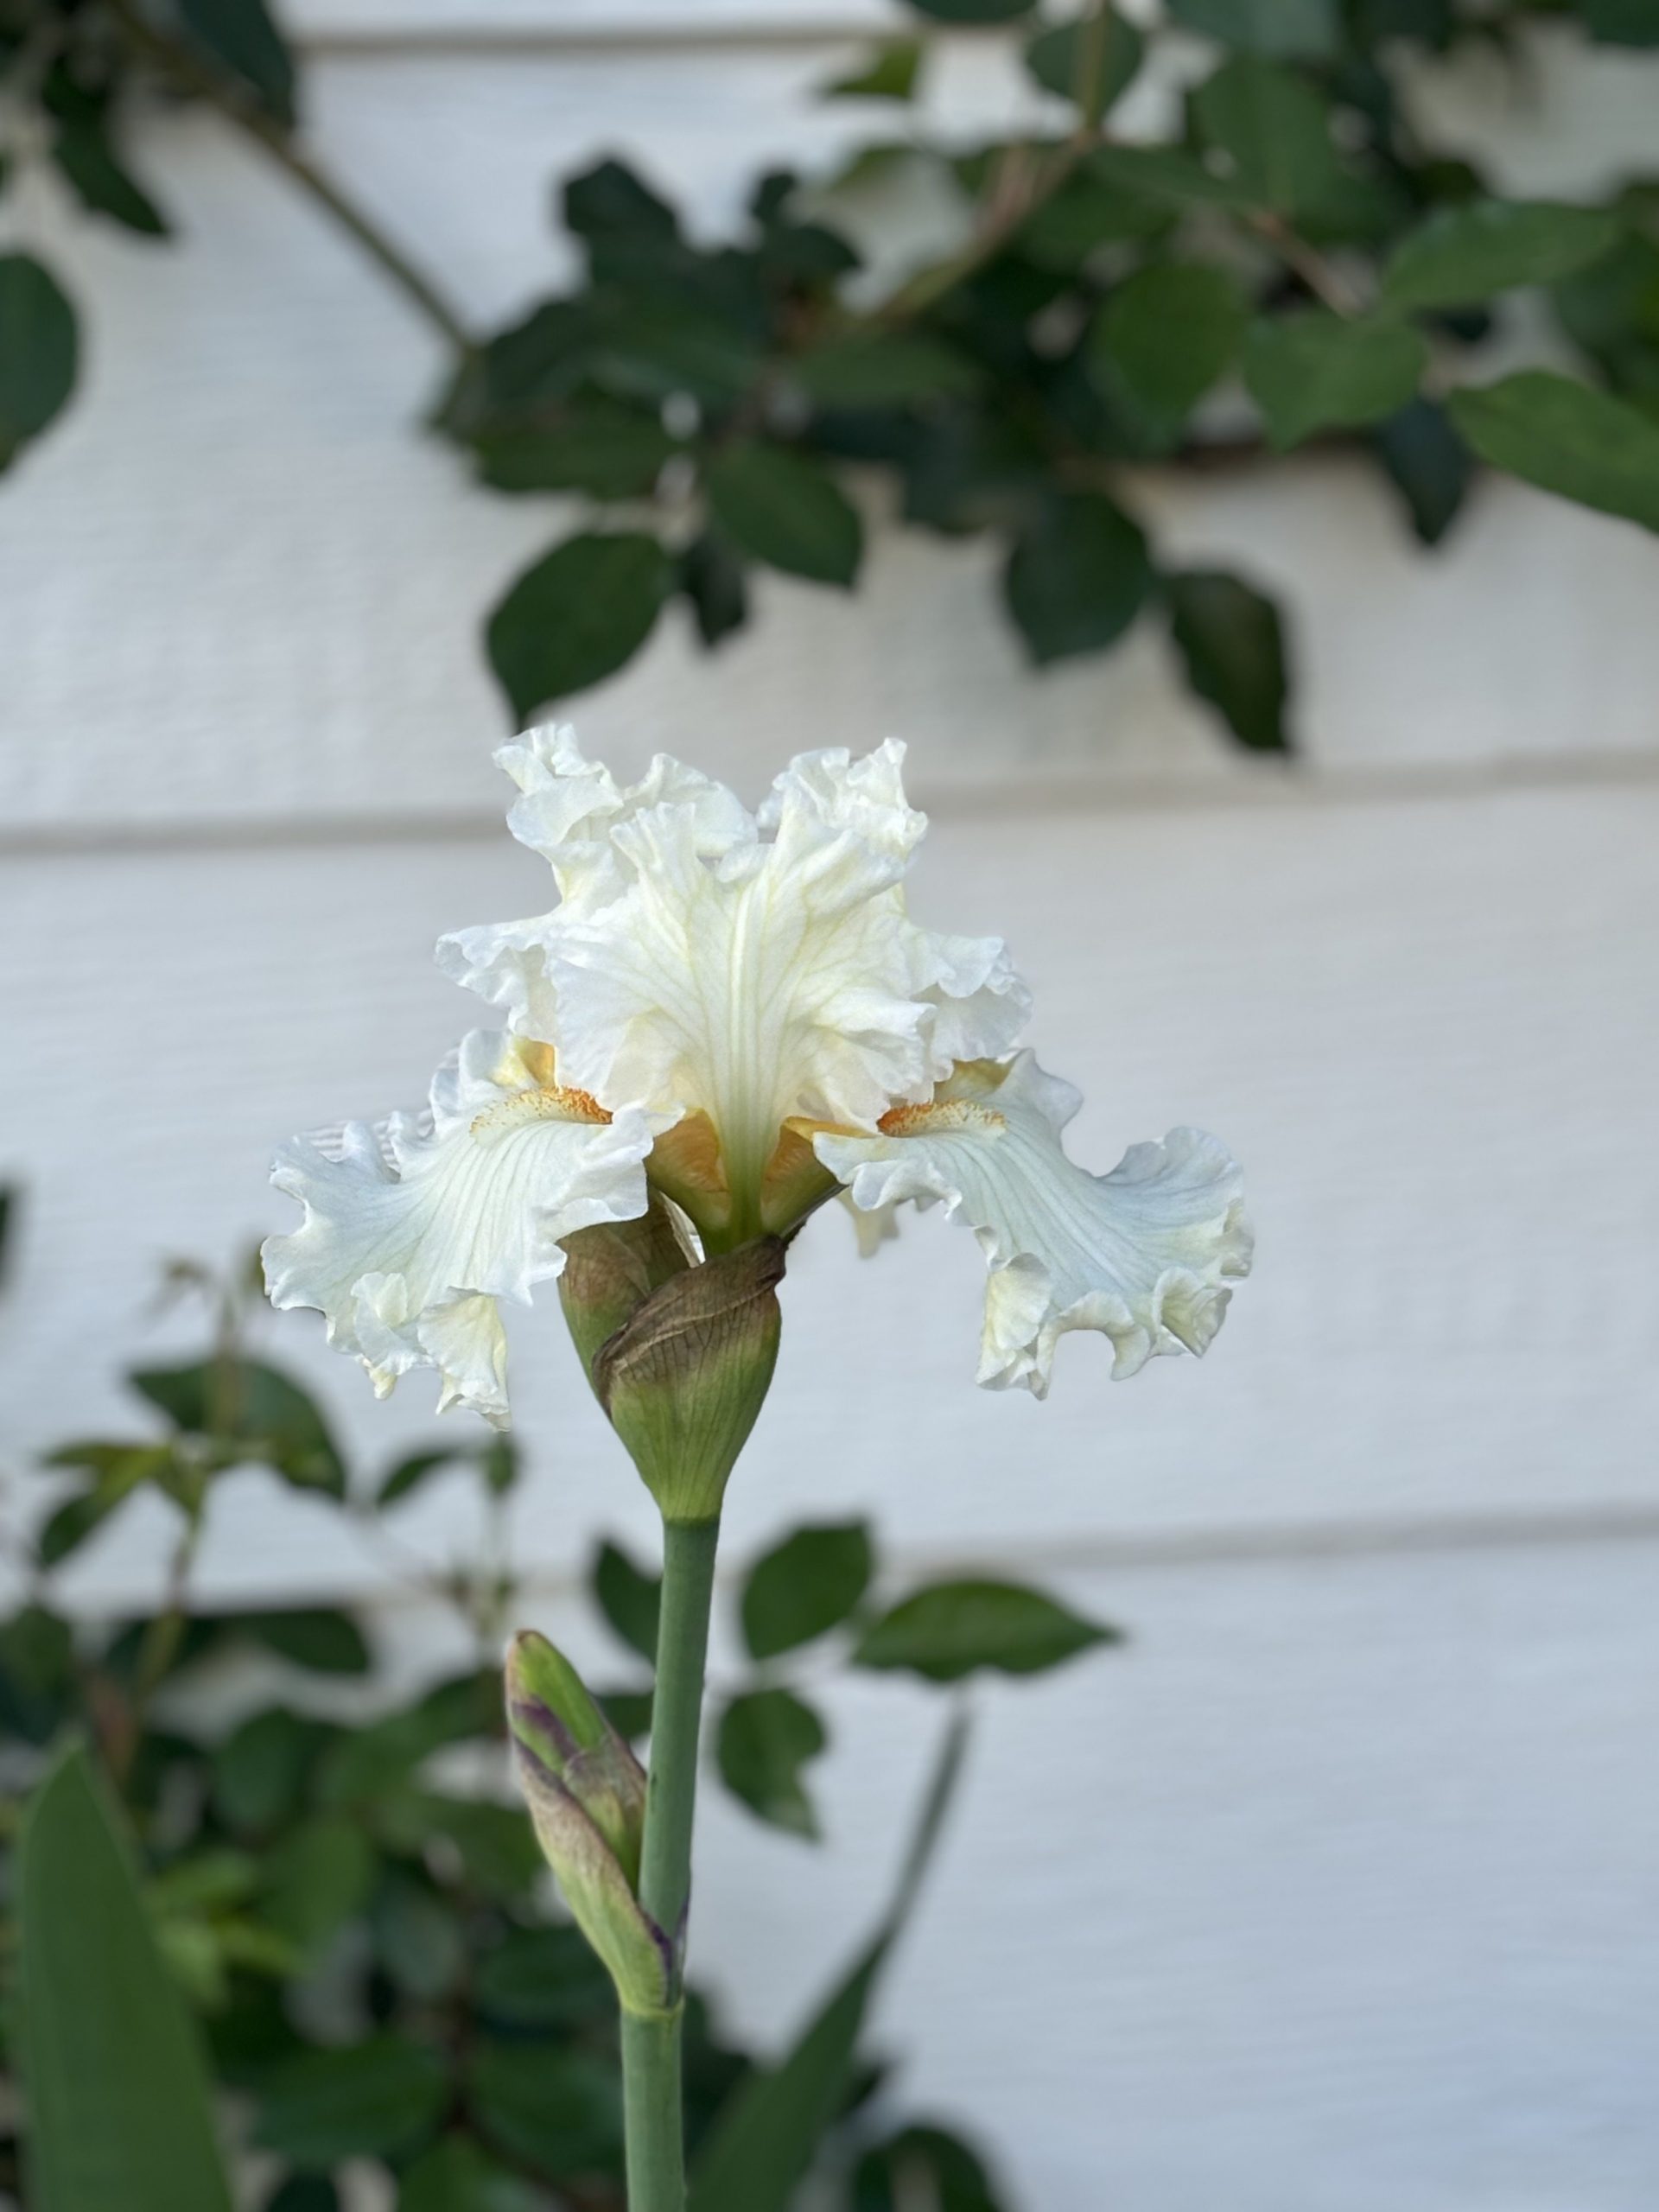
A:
650, 2044
652, 2104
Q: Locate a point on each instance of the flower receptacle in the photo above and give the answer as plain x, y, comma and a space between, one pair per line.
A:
611, 1270
683, 1380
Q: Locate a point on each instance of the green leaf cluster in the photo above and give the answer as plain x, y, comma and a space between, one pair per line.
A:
1288, 261
305, 1908
1290, 258
810, 1601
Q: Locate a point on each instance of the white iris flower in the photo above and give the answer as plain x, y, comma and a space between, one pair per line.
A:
737, 1009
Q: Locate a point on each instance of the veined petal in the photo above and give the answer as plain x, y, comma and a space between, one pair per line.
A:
568, 810
1144, 1254
413, 1229
748, 969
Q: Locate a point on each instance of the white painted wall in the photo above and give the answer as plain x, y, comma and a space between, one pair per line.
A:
1335, 1893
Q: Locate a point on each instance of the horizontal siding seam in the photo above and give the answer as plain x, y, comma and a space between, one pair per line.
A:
1207, 1550
1263, 785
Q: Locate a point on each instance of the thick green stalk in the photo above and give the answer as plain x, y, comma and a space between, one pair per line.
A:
652, 2103
650, 2044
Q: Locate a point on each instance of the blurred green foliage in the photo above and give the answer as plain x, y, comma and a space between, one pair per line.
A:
1291, 259
334, 1868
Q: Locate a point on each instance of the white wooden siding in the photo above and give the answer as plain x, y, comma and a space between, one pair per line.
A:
1333, 1894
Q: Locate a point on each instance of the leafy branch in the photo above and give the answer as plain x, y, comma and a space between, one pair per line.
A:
1287, 264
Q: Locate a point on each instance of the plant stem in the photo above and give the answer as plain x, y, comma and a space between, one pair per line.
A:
653, 2102
194, 75
651, 2043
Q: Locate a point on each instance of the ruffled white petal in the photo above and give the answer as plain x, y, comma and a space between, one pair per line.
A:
754, 969
1144, 1254
414, 1230
568, 810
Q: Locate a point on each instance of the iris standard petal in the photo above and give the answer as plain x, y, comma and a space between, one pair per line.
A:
748, 969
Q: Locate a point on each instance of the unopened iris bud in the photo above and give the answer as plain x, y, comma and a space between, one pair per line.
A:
684, 1379
585, 1792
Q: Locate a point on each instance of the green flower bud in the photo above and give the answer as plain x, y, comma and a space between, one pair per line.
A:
585, 1792
611, 1270
685, 1377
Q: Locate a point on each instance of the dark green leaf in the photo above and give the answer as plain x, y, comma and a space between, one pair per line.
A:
380, 2099
653, 350
711, 577
256, 1413
1301, 30
411, 1474
766, 1738
951, 1628
540, 360
1167, 173
1232, 641
83, 154
544, 1978
972, 11
495, 1845
628, 1712
610, 451
783, 510
38, 351
1087, 213
1275, 132
1428, 463
1076, 575
1433, 23
242, 36
629, 1598
972, 472
1163, 338
498, 1463
762, 2144
806, 1586
610, 200
1564, 438
1313, 370
37, 1675
577, 615
557, 2110
883, 369
121, 1468
1622, 23
888, 71
1074, 61
260, 1771
1612, 312
1486, 246
320, 1641
455, 2176
305, 2193
922, 2165
805, 256
316, 1880
419, 1941
381, 1757
119, 2114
